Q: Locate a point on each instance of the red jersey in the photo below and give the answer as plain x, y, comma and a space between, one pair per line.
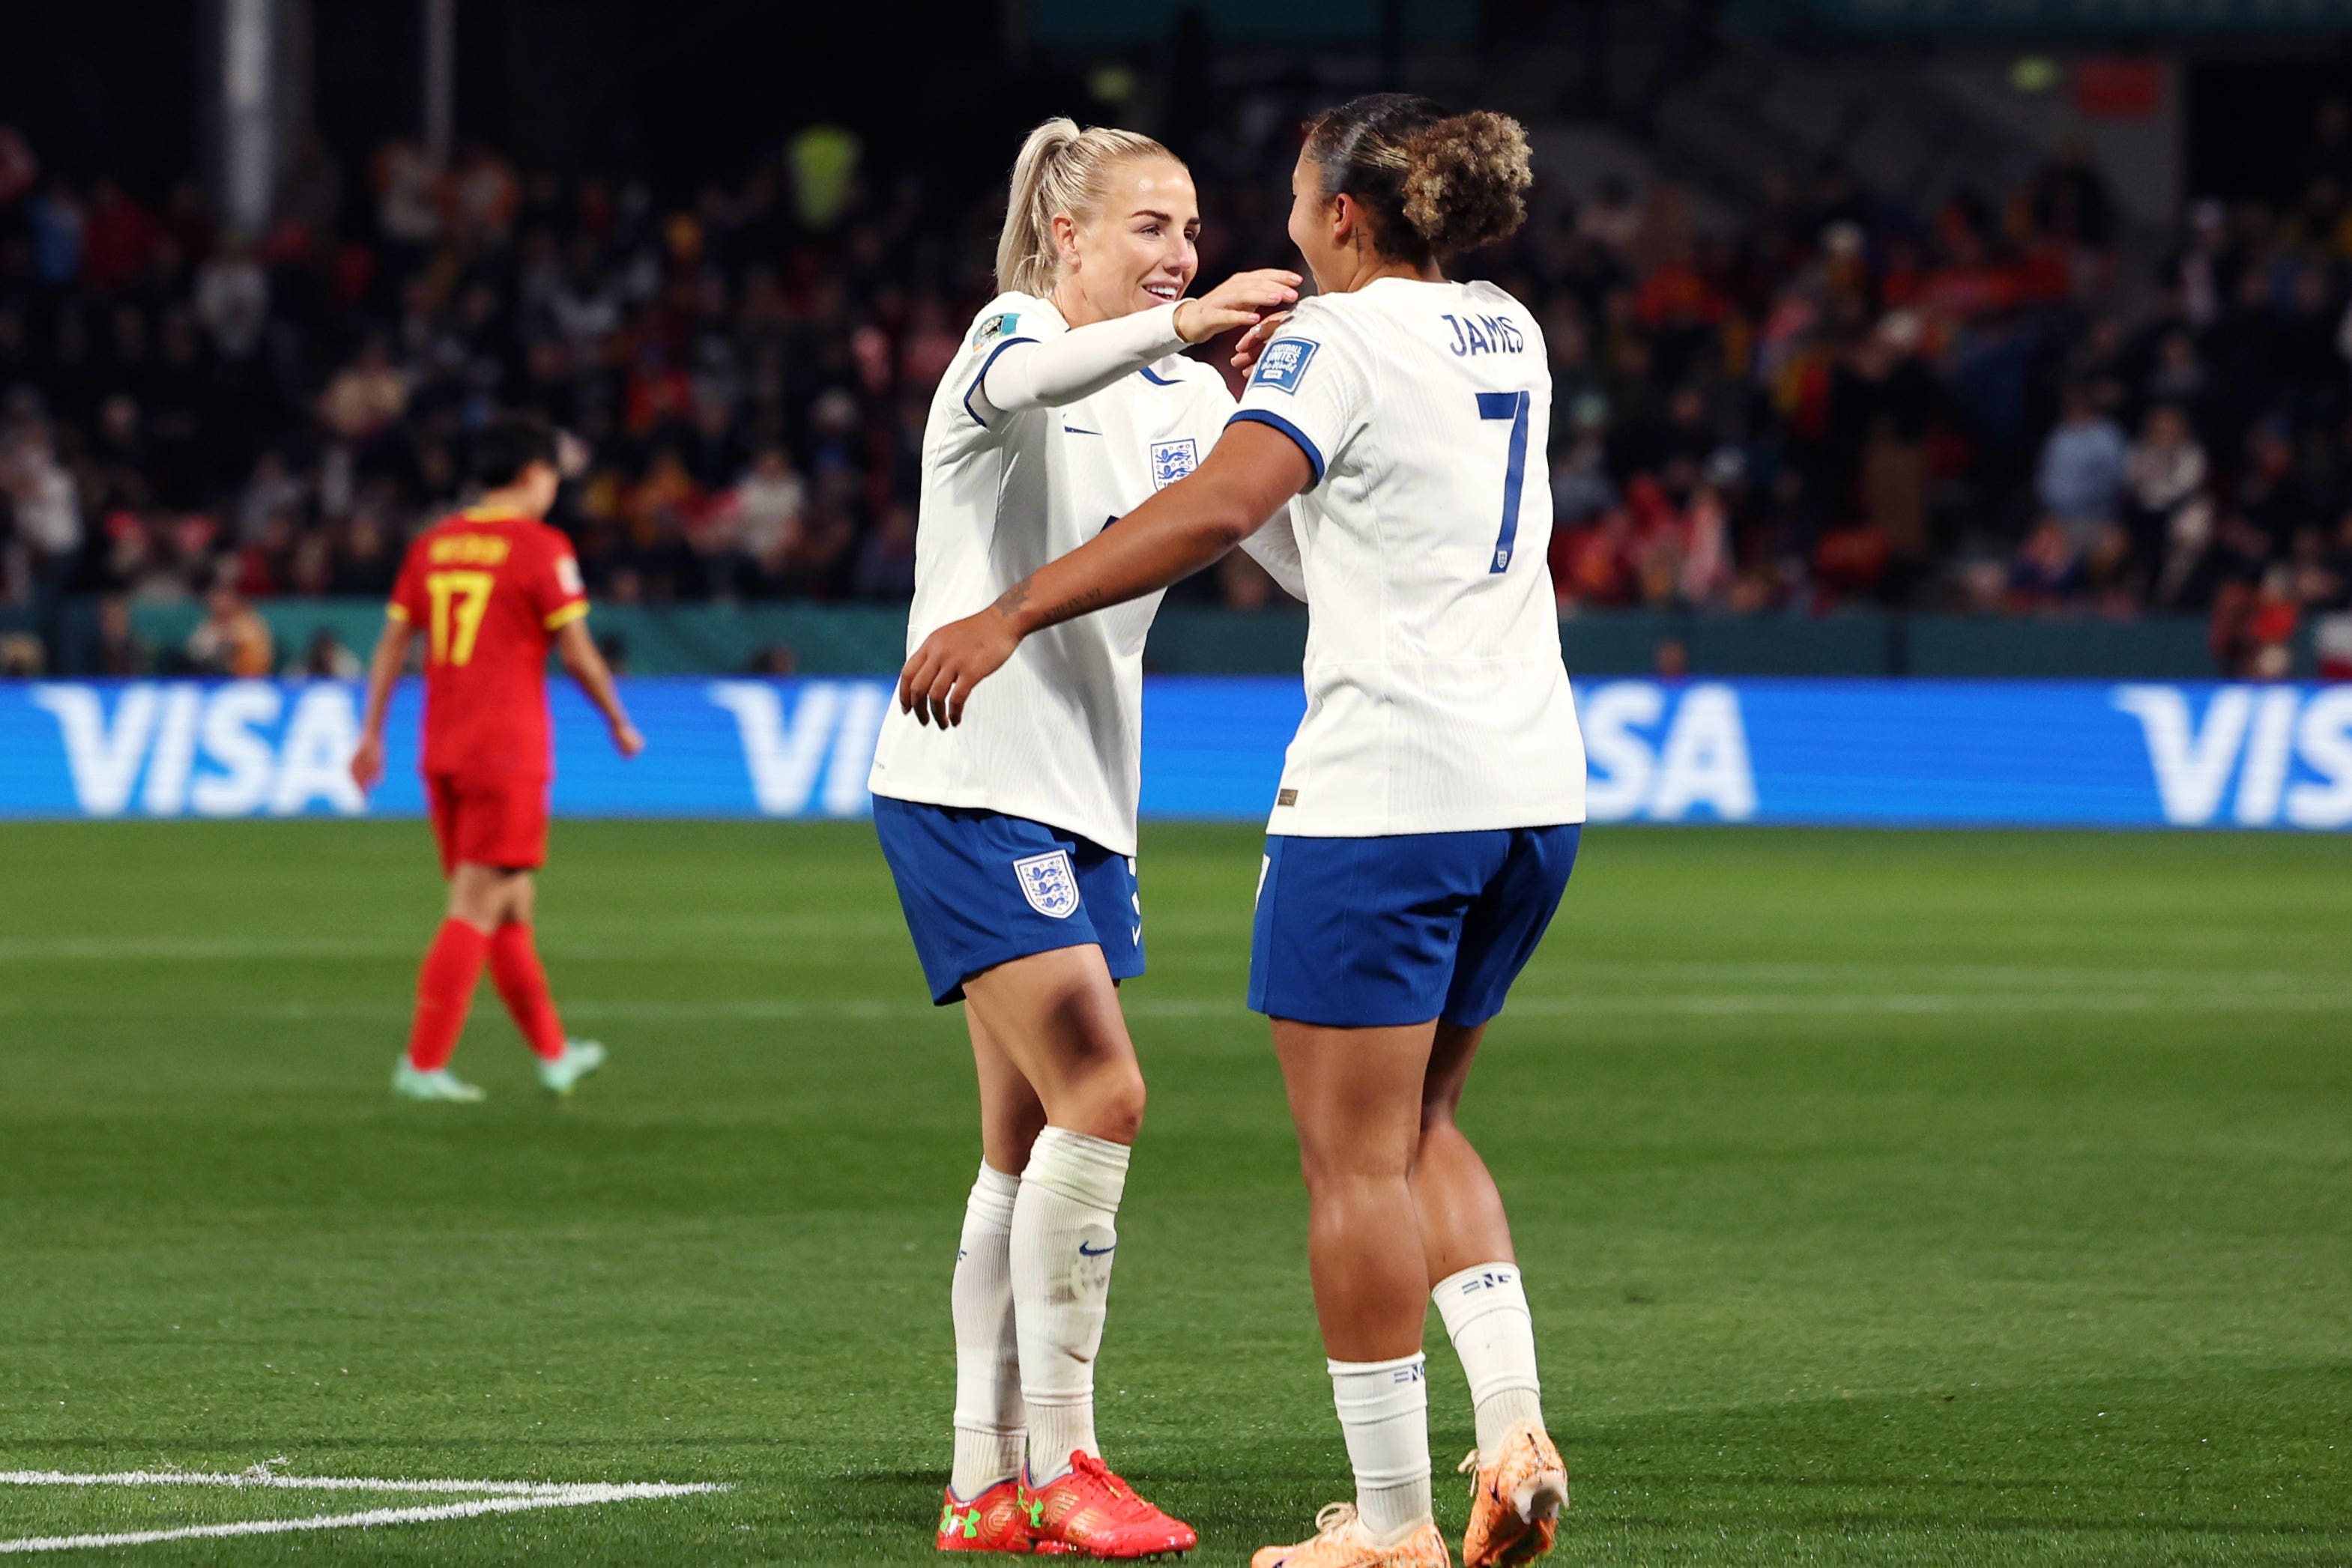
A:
489, 592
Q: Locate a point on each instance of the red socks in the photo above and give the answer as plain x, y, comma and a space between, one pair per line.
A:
514, 964
445, 993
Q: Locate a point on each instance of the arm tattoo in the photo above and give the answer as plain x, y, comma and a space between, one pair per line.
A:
1072, 608
1016, 599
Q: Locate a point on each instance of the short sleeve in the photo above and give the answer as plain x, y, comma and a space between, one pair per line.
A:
1003, 323
1308, 385
558, 596
1008, 320
407, 604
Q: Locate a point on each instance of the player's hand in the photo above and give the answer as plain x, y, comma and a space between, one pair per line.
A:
937, 681
1253, 342
1240, 300
367, 763
626, 740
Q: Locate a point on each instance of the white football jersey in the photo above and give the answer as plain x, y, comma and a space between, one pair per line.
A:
1056, 735
1436, 701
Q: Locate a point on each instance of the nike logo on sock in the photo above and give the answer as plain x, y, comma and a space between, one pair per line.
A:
1087, 1251
1074, 430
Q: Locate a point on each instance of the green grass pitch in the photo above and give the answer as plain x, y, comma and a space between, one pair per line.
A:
1885, 1198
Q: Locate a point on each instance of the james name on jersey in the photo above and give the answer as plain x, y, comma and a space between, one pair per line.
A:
1436, 698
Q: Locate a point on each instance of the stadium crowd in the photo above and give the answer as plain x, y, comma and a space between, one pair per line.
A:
1840, 400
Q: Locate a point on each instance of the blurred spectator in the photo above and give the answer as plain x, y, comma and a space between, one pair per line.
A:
2045, 572
2331, 639
767, 503
117, 648
2253, 627
118, 240
2082, 471
44, 507
271, 492
326, 658
366, 397
774, 659
408, 195
2164, 472
886, 562
231, 640
233, 299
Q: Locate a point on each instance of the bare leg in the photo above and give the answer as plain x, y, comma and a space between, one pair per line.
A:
1056, 1016
1010, 1115
487, 896
1462, 1218
1356, 1098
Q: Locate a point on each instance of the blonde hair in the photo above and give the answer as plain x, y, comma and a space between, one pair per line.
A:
1061, 169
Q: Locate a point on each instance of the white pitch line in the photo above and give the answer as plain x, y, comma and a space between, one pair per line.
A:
285, 1484
572, 1496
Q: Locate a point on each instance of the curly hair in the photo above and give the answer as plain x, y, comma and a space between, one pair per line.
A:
1436, 184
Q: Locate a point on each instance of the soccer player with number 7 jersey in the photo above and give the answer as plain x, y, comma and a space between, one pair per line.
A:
1431, 804
490, 589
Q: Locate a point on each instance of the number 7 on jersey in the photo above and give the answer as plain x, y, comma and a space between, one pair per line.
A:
1513, 406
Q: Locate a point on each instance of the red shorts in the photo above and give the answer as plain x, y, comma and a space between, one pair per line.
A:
496, 822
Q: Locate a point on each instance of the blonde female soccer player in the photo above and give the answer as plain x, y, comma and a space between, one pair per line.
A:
1429, 807
1011, 838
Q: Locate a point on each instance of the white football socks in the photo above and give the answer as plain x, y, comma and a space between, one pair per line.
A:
1064, 1234
988, 1420
1384, 1411
1485, 1313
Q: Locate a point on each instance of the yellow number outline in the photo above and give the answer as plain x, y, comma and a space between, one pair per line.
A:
463, 597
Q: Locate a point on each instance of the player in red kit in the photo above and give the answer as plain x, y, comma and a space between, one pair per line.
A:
491, 589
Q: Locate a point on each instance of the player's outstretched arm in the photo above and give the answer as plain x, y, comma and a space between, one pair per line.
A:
1082, 361
1250, 473
583, 664
389, 659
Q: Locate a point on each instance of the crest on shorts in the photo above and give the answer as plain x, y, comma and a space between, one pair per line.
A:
1284, 362
1172, 460
1049, 884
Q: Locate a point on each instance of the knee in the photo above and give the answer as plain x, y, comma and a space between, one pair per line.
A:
1113, 1103
1333, 1172
1122, 1108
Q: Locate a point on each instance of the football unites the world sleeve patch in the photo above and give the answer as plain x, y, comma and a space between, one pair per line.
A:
1284, 363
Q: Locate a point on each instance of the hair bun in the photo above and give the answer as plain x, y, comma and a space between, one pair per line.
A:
1466, 180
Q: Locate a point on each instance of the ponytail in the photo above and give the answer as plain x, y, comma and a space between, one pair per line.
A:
1435, 184
1061, 169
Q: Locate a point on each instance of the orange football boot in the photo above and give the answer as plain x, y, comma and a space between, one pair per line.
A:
1516, 1502
995, 1520
1092, 1512
1340, 1541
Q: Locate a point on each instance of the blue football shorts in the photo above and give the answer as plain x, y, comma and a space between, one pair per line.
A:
980, 888
1366, 932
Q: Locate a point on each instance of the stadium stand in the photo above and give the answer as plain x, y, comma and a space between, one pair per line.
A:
1782, 386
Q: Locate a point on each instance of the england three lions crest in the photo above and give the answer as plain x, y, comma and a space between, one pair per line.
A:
1172, 460
1049, 884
